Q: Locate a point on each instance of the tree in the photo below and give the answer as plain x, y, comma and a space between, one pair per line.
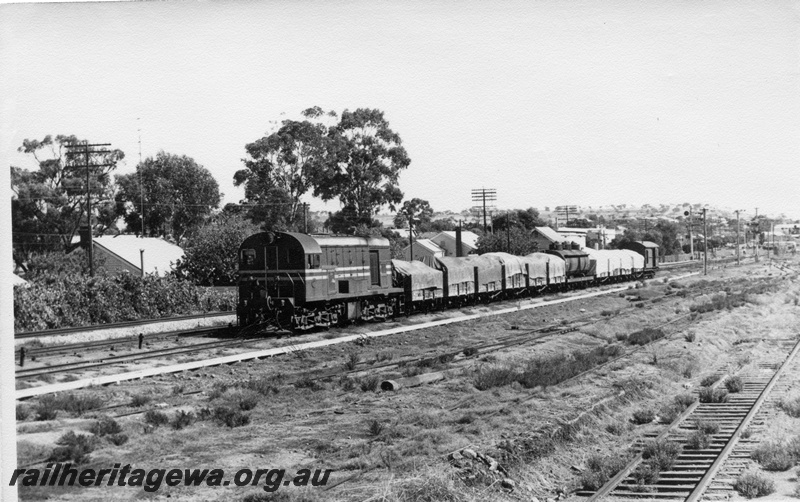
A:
418, 210
364, 161
521, 242
210, 253
282, 167
178, 195
49, 204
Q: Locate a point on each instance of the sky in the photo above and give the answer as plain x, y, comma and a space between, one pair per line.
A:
585, 103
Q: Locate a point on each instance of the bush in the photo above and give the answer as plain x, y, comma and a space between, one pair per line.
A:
105, 426
264, 386
752, 485
156, 418
308, 383
645, 474
684, 400
22, 412
690, 336
643, 416
709, 395
74, 447
230, 417
709, 380
493, 376
117, 439
369, 384
182, 419
375, 428
599, 469
352, 360
698, 440
773, 457
791, 407
645, 336
661, 454
734, 384
69, 402
138, 400
707, 426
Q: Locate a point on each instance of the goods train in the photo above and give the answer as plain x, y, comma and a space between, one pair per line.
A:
299, 282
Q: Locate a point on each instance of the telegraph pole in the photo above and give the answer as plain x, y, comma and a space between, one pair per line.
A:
484, 195
141, 177
705, 244
410, 238
756, 236
75, 149
738, 259
305, 217
508, 233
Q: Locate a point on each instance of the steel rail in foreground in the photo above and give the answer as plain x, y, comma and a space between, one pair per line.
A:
125, 324
694, 470
712, 471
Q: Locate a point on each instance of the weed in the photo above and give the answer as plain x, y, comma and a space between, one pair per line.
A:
684, 400
709, 395
217, 389
494, 376
698, 440
617, 428
690, 336
117, 439
466, 419
244, 399
746, 433
709, 380
352, 360
668, 413
177, 390
264, 386
75, 447
470, 351
308, 383
791, 407
645, 474
661, 454
230, 417
182, 419
645, 336
70, 402
707, 426
384, 356
375, 428
734, 384
156, 418
643, 416
752, 485
45, 411
773, 457
138, 400
22, 412
369, 383
105, 426
347, 384
599, 469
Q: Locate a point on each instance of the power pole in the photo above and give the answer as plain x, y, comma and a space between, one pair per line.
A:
86, 149
305, 217
141, 177
508, 233
738, 260
484, 195
705, 244
410, 238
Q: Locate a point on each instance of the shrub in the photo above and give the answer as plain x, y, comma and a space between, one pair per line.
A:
661, 454
645, 474
617, 428
791, 407
709, 395
182, 419
375, 428
22, 412
709, 380
347, 384
230, 417
707, 426
690, 336
117, 439
599, 469
470, 351
45, 410
645, 336
68, 402
384, 356
245, 399
217, 390
308, 383
369, 383
684, 400
734, 384
643, 416
142, 399
752, 485
156, 418
352, 360
773, 457
75, 447
105, 426
698, 440
493, 376
263, 385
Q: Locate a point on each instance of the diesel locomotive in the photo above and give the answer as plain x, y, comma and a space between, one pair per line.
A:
299, 282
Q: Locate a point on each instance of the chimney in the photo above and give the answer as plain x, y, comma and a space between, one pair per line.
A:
458, 240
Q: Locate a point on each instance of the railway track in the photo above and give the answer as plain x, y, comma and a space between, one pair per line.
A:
694, 470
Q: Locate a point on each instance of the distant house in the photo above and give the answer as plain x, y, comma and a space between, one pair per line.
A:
447, 241
129, 253
425, 251
546, 236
